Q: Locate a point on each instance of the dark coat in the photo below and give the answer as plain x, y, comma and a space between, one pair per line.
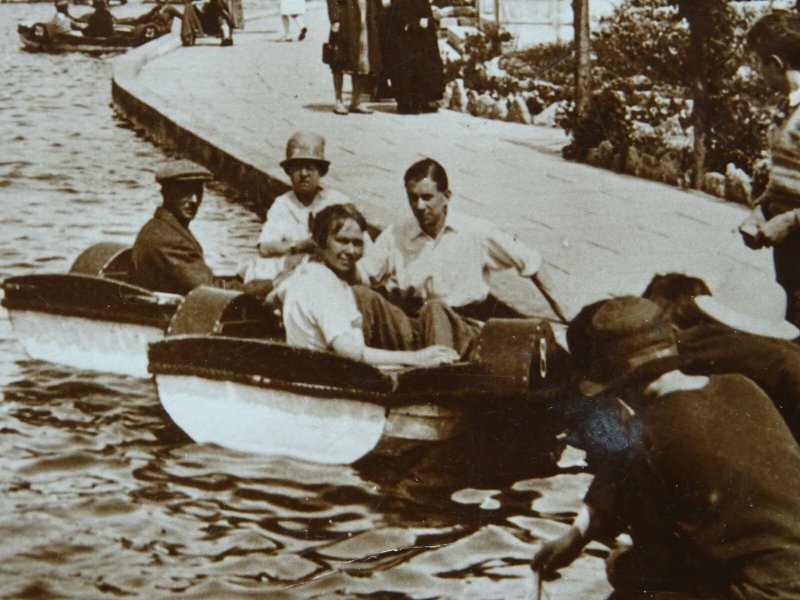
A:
773, 364
100, 24
166, 257
709, 490
413, 63
354, 56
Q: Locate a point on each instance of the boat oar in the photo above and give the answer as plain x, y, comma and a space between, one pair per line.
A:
550, 300
537, 584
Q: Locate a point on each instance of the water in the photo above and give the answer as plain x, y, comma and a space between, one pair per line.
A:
101, 496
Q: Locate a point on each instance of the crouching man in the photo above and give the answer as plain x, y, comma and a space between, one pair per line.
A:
706, 482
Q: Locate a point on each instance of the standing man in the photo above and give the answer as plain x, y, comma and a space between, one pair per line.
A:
705, 476
443, 254
776, 219
166, 257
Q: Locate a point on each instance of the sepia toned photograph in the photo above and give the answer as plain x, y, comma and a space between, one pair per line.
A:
400, 299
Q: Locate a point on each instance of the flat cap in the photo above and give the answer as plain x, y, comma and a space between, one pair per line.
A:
181, 170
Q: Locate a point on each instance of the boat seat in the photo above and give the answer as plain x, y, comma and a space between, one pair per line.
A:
108, 260
215, 311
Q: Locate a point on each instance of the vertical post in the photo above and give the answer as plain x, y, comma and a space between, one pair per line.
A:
497, 13
580, 10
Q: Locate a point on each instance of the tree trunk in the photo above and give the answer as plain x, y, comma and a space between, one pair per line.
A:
580, 10
699, 124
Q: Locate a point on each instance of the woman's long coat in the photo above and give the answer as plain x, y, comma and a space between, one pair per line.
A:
359, 38
413, 62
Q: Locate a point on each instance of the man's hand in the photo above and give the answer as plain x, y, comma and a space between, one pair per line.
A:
750, 230
433, 356
777, 228
558, 553
335, 27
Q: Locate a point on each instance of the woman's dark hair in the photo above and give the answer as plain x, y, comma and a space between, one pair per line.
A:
427, 167
329, 221
675, 293
777, 33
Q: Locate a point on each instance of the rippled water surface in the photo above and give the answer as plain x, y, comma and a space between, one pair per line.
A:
101, 496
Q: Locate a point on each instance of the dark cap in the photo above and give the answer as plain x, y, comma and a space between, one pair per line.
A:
613, 338
181, 170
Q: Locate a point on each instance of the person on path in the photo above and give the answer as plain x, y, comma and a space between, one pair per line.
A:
324, 311
775, 222
415, 67
444, 254
285, 237
166, 257
355, 31
292, 12
704, 477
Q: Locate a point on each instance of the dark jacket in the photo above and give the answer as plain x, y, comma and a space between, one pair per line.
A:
414, 64
356, 56
773, 364
100, 24
709, 490
166, 257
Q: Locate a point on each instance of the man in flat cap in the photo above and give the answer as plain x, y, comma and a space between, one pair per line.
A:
705, 477
166, 257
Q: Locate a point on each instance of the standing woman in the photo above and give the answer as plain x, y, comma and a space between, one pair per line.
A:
416, 66
775, 222
355, 24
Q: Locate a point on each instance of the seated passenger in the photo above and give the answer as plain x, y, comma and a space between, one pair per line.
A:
166, 257
321, 311
101, 22
62, 23
212, 18
285, 236
447, 254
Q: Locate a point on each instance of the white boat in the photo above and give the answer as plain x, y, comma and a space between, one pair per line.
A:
262, 396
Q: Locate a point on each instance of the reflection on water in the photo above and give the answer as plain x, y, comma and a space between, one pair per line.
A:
102, 496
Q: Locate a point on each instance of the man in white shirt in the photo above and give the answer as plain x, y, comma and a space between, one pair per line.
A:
443, 254
61, 22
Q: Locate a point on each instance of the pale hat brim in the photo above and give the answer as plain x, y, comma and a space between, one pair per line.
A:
782, 330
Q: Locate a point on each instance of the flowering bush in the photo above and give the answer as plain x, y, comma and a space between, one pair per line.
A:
641, 108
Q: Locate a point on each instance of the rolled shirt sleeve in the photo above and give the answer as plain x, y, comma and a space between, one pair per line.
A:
503, 251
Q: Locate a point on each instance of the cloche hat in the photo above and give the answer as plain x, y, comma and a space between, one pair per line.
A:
306, 145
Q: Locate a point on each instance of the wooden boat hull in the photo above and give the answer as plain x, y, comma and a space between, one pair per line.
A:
261, 396
274, 422
81, 343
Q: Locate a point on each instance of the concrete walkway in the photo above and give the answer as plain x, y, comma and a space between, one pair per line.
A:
600, 233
